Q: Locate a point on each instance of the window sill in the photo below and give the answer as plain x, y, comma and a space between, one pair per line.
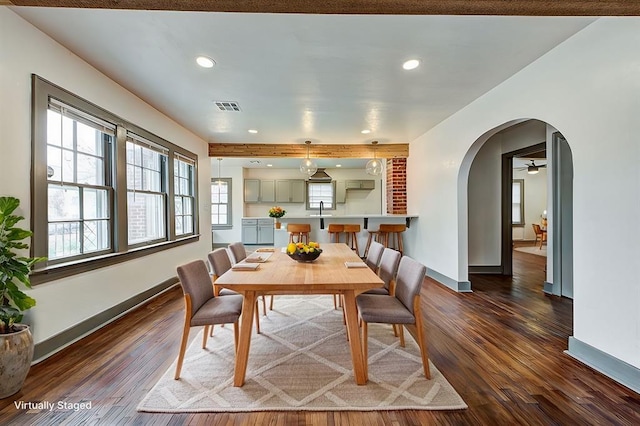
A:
56, 272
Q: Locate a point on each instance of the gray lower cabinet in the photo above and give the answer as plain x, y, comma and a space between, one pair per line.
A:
257, 231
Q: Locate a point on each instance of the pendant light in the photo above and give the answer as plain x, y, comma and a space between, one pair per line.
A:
308, 166
374, 167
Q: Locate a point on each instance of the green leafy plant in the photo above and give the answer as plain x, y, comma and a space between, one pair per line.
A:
14, 269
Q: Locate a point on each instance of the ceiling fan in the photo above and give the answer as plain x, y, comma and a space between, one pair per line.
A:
532, 168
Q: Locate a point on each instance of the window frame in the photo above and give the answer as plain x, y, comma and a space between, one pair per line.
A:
333, 195
120, 250
229, 224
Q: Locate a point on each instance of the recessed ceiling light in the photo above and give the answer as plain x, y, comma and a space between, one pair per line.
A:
365, 131
411, 64
269, 165
254, 131
338, 165
205, 62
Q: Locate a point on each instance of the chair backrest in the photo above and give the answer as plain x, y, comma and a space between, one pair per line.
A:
389, 265
373, 255
195, 281
536, 228
238, 251
219, 261
409, 281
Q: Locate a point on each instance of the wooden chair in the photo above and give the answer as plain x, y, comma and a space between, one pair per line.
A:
403, 308
540, 234
202, 307
220, 263
239, 253
300, 231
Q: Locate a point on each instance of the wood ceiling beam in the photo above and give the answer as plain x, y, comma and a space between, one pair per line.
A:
364, 7
257, 150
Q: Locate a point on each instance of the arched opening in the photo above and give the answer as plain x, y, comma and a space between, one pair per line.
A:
487, 206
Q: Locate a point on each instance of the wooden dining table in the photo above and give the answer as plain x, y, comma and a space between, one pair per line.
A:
282, 275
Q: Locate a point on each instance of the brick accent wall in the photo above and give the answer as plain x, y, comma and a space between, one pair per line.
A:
396, 186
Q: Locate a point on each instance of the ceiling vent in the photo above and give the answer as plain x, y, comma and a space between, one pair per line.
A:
228, 106
320, 176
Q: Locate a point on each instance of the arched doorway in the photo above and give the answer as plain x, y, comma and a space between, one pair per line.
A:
489, 220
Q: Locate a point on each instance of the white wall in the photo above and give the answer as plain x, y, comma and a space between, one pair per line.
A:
535, 202
589, 89
64, 303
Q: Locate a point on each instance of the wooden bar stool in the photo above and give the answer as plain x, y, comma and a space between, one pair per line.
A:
391, 232
299, 230
373, 236
352, 236
334, 231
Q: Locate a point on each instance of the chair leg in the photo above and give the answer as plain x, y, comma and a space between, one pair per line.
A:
264, 306
422, 340
365, 347
271, 303
185, 335
401, 332
211, 332
205, 335
256, 314
236, 334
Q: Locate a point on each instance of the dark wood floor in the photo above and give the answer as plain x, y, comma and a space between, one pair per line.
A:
501, 347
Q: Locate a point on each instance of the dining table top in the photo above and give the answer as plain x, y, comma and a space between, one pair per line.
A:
327, 274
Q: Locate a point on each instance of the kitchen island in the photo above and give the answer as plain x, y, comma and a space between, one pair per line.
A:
319, 225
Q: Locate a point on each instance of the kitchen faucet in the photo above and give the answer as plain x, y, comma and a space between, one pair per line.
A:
321, 206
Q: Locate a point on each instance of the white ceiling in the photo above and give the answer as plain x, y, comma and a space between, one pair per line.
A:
304, 77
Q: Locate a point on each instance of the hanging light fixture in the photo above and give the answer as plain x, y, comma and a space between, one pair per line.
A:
374, 167
308, 166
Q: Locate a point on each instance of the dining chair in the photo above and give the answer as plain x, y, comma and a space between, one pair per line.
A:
373, 256
221, 263
239, 253
540, 234
202, 307
403, 308
389, 262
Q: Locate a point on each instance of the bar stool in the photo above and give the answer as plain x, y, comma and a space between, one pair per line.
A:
299, 230
334, 231
395, 232
352, 236
373, 236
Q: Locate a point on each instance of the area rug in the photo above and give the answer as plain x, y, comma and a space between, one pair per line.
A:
301, 362
533, 250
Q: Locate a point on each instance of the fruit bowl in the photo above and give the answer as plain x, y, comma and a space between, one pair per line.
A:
305, 257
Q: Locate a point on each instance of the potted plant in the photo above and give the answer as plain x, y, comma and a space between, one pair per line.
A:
16, 342
277, 212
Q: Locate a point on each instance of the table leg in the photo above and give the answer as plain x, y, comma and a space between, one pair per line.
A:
351, 313
242, 356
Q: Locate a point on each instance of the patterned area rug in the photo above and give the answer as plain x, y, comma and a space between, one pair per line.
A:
301, 361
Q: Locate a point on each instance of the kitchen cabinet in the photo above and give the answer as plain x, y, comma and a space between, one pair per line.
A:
290, 191
367, 184
341, 192
259, 191
257, 231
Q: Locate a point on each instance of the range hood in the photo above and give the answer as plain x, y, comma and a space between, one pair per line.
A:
320, 176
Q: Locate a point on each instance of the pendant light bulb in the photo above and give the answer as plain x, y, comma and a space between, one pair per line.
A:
308, 166
374, 166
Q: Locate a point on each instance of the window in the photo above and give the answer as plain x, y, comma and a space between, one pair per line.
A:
221, 203
321, 191
78, 182
183, 175
146, 190
517, 202
82, 155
